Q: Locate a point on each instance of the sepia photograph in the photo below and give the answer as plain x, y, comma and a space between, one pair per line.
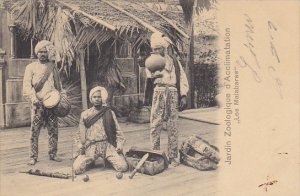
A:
149, 97
109, 97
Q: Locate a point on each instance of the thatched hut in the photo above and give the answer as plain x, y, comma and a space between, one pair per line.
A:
98, 42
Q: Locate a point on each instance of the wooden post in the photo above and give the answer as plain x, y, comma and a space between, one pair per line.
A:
31, 49
83, 80
191, 59
129, 49
191, 68
12, 29
2, 93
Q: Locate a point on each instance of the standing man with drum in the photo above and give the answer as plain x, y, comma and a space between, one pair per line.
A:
40, 79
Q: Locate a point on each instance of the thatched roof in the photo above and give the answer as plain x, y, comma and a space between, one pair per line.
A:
119, 14
131, 15
169, 10
73, 24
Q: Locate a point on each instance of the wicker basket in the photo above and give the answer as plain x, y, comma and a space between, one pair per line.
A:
156, 163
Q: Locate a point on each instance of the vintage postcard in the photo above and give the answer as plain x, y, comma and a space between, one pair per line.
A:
260, 97
150, 97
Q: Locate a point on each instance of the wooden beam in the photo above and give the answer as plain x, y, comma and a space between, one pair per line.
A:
166, 19
146, 25
98, 20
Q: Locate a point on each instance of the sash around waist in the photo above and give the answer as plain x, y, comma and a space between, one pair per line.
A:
163, 88
165, 85
96, 141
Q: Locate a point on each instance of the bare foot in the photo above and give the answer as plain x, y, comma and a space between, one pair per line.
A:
55, 158
31, 162
174, 163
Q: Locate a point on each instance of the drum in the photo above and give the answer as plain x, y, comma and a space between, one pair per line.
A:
58, 102
51, 99
63, 107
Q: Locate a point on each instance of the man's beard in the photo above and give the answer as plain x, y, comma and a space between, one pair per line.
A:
43, 59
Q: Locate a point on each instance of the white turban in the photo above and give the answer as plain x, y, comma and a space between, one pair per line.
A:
52, 54
100, 89
159, 40
42, 44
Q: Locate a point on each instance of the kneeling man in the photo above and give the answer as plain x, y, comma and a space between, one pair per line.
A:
99, 135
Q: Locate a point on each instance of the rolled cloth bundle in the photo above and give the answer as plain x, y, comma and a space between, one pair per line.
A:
38, 172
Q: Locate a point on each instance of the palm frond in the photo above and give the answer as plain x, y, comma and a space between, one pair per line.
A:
187, 7
204, 4
26, 15
73, 91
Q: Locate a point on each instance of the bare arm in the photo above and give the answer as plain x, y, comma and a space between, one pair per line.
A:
184, 85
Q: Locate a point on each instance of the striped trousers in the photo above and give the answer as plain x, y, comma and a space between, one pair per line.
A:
41, 116
164, 115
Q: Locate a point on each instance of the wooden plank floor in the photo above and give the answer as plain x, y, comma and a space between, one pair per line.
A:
183, 180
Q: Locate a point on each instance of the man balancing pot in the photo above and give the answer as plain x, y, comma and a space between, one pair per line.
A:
99, 135
167, 86
41, 78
